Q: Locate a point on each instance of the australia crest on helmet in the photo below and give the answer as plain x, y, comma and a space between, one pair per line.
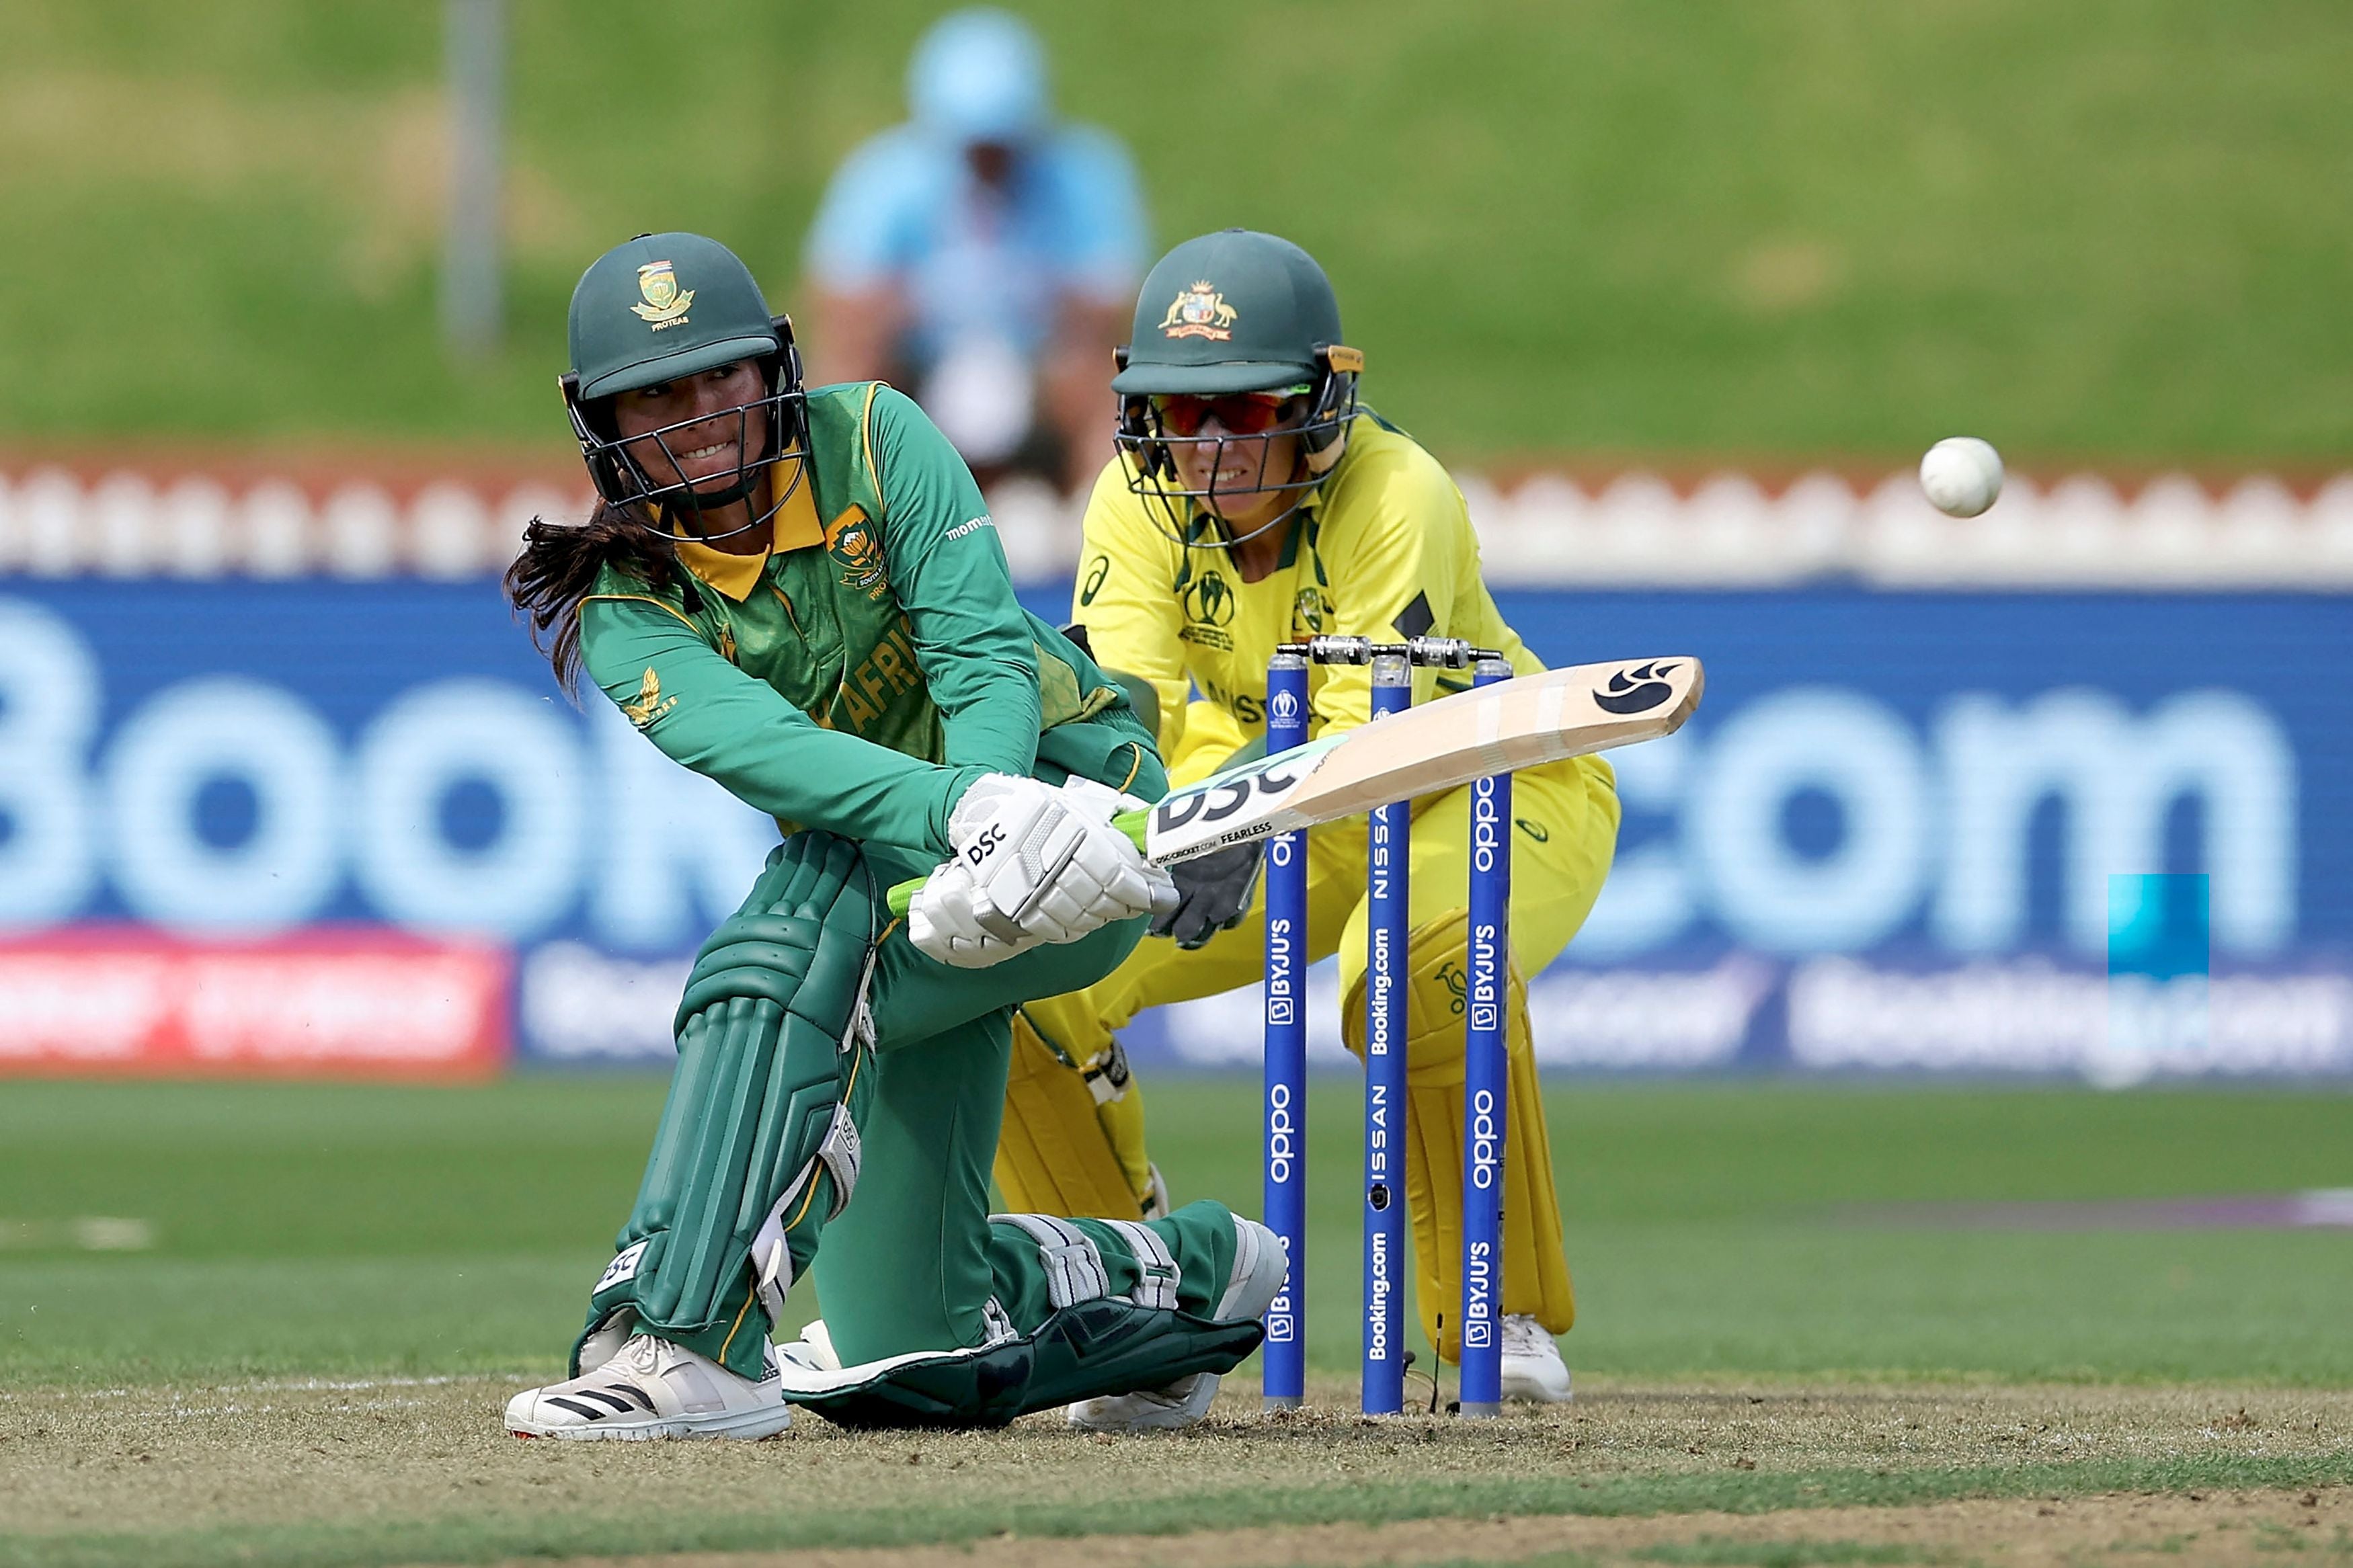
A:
1199, 312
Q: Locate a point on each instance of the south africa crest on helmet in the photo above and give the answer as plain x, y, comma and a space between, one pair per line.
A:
665, 303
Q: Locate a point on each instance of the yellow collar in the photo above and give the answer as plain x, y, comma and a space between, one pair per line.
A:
795, 527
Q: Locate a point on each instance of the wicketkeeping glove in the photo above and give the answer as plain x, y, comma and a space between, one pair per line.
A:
1213, 893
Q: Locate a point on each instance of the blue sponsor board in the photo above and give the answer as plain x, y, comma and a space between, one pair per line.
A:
1904, 831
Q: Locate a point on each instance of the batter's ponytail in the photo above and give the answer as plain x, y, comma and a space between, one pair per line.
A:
559, 566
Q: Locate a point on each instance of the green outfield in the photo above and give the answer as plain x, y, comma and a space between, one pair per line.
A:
245, 1324
1715, 1229
2111, 229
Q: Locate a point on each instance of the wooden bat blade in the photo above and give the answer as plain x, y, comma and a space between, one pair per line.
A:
1441, 746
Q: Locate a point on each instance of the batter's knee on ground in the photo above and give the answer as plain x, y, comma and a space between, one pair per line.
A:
1535, 1268
1055, 1154
1043, 1263
1083, 1308
758, 1145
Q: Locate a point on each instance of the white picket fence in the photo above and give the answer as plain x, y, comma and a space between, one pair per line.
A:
1634, 529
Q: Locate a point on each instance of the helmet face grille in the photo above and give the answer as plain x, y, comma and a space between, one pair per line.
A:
1176, 509
674, 510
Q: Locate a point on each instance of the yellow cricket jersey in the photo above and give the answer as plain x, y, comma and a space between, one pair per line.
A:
1382, 549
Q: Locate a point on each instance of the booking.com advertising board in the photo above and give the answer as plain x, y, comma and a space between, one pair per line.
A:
354, 829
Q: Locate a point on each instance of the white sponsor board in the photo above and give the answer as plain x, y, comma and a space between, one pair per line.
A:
1548, 530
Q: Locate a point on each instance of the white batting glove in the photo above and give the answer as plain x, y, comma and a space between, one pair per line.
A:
950, 919
1048, 860
1128, 884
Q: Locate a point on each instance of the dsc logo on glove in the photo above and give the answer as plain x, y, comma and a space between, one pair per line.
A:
985, 845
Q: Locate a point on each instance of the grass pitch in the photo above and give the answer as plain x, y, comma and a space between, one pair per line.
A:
275, 1324
346, 1231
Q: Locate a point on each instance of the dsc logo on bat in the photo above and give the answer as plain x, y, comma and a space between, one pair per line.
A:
1218, 800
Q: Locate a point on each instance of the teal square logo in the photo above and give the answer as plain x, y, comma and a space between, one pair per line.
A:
2157, 925
2160, 953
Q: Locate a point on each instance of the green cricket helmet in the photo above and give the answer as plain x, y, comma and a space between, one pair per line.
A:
1223, 315
659, 307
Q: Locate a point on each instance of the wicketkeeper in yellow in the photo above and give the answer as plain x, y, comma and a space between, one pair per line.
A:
1253, 501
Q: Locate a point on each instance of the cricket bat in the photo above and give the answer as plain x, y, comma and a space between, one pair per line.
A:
1440, 746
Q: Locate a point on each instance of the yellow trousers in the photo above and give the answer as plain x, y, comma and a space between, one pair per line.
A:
1072, 1144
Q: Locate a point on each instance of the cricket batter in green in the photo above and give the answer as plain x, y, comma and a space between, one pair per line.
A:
798, 592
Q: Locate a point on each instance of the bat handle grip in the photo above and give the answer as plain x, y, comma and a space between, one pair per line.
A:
1136, 824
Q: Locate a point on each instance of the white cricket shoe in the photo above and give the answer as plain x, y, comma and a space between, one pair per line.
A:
1532, 1369
1179, 1404
650, 1389
1257, 1276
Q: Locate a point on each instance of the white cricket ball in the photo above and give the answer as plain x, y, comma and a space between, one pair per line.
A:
1962, 476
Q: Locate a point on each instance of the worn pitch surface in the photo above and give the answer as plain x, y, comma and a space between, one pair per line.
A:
392, 1470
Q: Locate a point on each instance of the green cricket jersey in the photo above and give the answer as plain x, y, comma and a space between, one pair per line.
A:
874, 661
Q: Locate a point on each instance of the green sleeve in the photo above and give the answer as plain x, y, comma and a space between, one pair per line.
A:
708, 715
948, 568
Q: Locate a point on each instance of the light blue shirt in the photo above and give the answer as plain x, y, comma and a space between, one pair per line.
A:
904, 209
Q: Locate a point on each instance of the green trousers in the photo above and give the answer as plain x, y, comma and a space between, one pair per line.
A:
836, 1111
910, 1265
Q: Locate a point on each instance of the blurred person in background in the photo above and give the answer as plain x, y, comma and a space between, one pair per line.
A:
983, 256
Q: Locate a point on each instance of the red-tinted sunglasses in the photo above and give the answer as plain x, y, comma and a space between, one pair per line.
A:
1241, 412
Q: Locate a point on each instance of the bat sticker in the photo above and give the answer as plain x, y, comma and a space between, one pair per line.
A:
1274, 778
1635, 690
